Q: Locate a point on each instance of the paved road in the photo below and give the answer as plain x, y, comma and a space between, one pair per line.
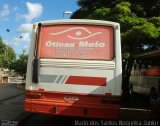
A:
11, 101
9, 90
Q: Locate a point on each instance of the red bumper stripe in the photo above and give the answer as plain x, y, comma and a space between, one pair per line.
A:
81, 80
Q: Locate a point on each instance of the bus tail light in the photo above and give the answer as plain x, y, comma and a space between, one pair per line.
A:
33, 95
111, 100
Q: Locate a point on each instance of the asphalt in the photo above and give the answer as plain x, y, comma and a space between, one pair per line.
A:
11, 101
8, 90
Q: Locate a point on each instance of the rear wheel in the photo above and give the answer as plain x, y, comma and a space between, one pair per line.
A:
154, 101
153, 93
131, 89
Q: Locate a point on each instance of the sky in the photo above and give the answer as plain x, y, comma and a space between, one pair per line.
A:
17, 16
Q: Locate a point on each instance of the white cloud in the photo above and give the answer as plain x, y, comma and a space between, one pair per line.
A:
24, 37
25, 47
16, 41
4, 12
34, 11
27, 27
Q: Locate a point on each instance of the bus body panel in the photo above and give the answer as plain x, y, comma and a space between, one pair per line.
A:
77, 86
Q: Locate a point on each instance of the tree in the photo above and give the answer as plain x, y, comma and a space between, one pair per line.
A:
133, 17
143, 8
8, 59
137, 18
7, 54
20, 65
139, 21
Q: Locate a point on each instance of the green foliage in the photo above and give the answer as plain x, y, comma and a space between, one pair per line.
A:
8, 59
128, 22
122, 8
147, 30
139, 36
139, 21
7, 54
155, 21
1, 46
150, 31
4, 61
20, 65
101, 13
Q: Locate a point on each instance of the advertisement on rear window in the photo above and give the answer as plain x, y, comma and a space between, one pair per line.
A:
76, 42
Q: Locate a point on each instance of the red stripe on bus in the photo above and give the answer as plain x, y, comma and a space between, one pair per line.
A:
81, 80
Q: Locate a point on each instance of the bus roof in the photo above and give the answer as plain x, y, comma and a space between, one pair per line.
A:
78, 21
150, 54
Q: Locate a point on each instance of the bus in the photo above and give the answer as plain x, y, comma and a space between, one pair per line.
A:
74, 69
145, 76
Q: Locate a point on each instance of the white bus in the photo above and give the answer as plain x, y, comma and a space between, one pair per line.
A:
74, 69
145, 76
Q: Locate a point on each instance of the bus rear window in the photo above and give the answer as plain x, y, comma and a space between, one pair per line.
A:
76, 42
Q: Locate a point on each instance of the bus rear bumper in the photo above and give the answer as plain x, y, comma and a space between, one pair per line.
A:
103, 111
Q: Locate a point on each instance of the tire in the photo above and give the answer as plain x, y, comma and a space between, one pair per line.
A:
153, 96
131, 89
